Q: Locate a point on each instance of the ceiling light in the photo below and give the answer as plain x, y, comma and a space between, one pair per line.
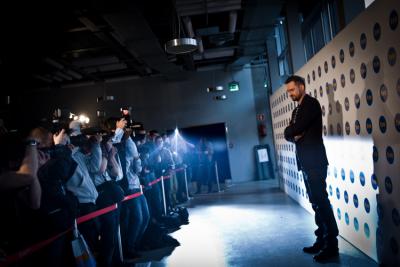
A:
181, 46
221, 97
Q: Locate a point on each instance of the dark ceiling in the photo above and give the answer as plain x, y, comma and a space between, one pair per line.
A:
57, 43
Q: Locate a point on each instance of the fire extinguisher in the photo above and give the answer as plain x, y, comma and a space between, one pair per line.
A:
262, 130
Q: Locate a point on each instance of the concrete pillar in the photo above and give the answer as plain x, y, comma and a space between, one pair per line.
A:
273, 64
296, 45
348, 10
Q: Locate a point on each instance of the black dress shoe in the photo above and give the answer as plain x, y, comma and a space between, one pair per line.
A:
327, 254
314, 249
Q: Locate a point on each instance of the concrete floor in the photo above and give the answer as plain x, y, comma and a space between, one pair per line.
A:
252, 224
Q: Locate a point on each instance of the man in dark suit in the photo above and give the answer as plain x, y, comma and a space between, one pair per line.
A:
305, 130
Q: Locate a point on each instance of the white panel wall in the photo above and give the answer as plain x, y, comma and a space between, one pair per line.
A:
356, 78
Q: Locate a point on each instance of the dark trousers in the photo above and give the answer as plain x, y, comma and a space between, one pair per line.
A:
109, 222
134, 220
155, 201
327, 230
89, 229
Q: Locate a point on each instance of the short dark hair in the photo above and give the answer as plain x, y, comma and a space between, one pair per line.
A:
296, 79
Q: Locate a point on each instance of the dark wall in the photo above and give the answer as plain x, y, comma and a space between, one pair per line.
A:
162, 104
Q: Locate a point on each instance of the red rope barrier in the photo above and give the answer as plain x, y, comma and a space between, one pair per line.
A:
27, 251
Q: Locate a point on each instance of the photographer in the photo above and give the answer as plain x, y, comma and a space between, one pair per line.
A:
134, 212
109, 193
59, 206
87, 154
19, 187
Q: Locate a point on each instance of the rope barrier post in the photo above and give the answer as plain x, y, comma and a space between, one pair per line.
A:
217, 176
121, 255
186, 183
163, 195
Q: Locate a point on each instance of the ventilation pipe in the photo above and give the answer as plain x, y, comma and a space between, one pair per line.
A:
189, 29
232, 21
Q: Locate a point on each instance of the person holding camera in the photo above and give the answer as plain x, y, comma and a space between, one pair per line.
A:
110, 193
134, 212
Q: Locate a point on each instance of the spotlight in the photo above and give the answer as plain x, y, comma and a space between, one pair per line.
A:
83, 119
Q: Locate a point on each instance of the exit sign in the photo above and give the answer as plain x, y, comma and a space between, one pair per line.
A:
233, 86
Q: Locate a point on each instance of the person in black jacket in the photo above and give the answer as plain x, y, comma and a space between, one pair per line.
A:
305, 130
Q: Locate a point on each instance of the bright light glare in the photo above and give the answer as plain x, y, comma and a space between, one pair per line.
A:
83, 119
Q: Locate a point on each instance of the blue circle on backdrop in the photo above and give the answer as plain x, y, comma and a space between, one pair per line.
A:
319, 71
377, 31
383, 91
321, 91
346, 218
367, 205
369, 97
357, 126
342, 80
326, 67
339, 214
363, 41
315, 93
337, 193
392, 56
347, 127
335, 172
393, 20
397, 122
334, 85
351, 176
375, 155
382, 124
308, 78
356, 225
333, 62
355, 200
396, 217
313, 75
379, 210
338, 107
323, 110
357, 101
374, 181
330, 190
327, 88
368, 125
341, 56
343, 174
346, 104
394, 246
362, 178
346, 197
376, 64
352, 76
366, 230
363, 70
388, 185
339, 129
390, 154
351, 49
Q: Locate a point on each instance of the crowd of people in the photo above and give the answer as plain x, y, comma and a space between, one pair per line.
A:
49, 177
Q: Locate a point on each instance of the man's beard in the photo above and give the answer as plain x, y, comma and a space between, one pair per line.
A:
295, 98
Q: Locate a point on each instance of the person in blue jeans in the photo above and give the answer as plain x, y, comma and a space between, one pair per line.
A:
134, 212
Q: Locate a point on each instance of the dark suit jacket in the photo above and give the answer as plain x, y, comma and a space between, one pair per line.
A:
310, 149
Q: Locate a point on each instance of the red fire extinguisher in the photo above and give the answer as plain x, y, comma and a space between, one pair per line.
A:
262, 130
